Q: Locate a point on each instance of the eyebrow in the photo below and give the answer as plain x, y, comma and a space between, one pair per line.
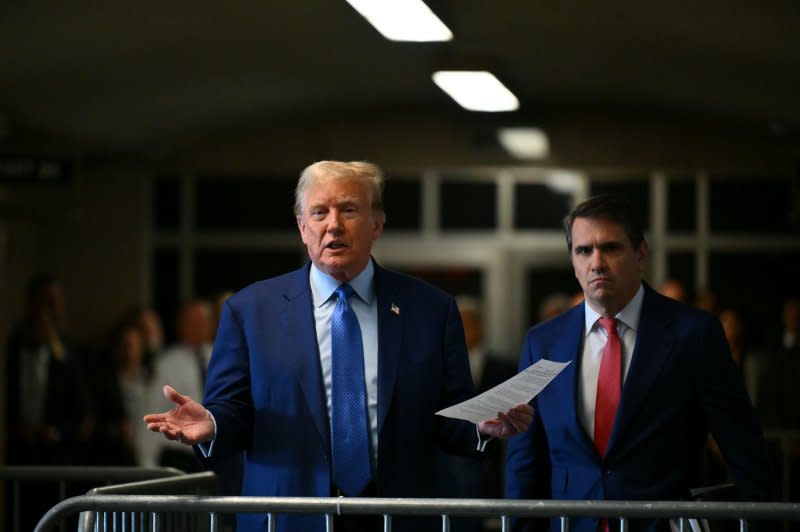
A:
609, 245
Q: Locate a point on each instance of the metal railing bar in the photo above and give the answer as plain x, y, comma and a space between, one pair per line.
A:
16, 501
412, 506
373, 506
387, 523
504, 523
445, 523
88, 473
62, 494
204, 482
564, 523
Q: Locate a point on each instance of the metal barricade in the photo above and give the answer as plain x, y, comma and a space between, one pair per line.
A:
196, 484
155, 506
785, 439
64, 475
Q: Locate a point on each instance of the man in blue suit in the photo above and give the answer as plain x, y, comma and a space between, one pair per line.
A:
271, 388
629, 418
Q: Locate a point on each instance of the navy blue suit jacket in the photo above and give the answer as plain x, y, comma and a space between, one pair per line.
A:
266, 392
681, 384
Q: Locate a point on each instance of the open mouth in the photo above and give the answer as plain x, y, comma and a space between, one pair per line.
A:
335, 245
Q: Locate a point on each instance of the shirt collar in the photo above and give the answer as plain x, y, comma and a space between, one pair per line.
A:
323, 285
629, 315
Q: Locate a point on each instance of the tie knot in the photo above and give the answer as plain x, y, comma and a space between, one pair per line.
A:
344, 291
609, 324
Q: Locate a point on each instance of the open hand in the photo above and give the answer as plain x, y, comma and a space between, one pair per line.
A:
187, 423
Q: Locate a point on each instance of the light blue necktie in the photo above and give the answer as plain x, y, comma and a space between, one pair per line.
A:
349, 420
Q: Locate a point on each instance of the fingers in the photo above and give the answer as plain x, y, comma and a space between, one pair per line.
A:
520, 417
170, 431
172, 395
521, 413
491, 427
512, 425
514, 421
155, 418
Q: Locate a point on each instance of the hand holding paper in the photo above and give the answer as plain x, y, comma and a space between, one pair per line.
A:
514, 421
503, 411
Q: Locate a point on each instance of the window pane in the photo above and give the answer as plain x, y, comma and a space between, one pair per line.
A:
166, 289
455, 281
468, 205
245, 204
681, 211
753, 206
166, 203
539, 206
221, 270
637, 192
402, 200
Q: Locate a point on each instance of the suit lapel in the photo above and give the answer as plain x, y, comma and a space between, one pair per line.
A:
302, 347
653, 344
389, 340
569, 349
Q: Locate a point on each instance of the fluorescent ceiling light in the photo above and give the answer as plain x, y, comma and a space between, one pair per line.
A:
476, 90
564, 182
403, 20
524, 142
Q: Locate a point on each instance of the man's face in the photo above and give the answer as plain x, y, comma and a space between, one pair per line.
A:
338, 226
606, 265
195, 325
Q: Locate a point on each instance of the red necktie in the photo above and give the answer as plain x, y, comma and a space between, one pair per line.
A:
609, 386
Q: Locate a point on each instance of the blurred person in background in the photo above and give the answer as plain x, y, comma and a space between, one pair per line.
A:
152, 330
778, 392
184, 366
469, 476
49, 411
123, 386
673, 289
219, 301
554, 304
706, 299
49, 418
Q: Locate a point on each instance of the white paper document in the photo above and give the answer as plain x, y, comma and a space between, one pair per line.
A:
519, 389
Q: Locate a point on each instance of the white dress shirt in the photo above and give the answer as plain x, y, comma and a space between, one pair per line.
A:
365, 305
594, 340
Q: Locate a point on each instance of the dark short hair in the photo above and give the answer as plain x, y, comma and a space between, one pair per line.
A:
610, 207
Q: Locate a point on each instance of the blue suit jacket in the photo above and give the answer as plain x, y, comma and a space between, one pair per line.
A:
681, 384
266, 392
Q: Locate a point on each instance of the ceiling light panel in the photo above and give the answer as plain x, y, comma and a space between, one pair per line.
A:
403, 20
476, 90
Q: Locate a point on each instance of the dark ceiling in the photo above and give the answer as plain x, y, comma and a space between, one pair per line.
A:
114, 76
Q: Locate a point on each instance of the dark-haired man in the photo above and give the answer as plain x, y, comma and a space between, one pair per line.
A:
650, 378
